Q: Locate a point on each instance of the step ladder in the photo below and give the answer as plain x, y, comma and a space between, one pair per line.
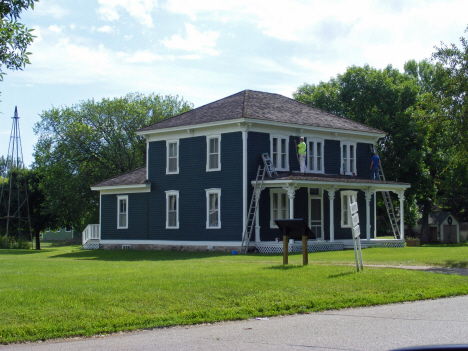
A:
270, 167
252, 213
388, 203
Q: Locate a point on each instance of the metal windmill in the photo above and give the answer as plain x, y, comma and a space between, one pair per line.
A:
14, 206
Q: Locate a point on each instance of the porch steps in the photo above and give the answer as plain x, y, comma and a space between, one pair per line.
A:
252, 213
388, 203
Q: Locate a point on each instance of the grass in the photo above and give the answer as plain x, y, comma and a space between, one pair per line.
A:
62, 291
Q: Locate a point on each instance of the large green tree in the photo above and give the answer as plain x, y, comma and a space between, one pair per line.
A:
451, 87
84, 144
14, 36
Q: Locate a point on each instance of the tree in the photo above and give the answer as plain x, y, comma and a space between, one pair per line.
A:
14, 36
40, 219
84, 144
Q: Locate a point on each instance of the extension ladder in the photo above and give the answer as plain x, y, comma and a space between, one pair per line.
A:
388, 203
250, 220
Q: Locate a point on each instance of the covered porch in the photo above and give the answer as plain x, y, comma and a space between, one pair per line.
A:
321, 200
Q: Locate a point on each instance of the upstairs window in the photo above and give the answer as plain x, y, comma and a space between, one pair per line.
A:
213, 157
172, 166
122, 212
213, 208
348, 158
279, 153
315, 156
172, 209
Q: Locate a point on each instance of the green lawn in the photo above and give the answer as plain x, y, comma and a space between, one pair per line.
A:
63, 291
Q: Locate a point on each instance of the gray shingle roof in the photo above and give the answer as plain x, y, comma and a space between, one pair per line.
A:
263, 107
437, 217
135, 177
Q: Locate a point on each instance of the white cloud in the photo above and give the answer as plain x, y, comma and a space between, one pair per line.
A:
49, 9
195, 41
54, 28
106, 29
139, 9
143, 57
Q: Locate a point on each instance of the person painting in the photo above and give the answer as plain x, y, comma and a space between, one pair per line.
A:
301, 151
374, 166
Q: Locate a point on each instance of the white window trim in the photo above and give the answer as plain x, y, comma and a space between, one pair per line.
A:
208, 138
345, 203
320, 197
322, 163
122, 197
208, 192
277, 191
348, 144
176, 194
167, 156
272, 136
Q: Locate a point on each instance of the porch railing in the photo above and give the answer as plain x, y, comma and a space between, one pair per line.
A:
92, 231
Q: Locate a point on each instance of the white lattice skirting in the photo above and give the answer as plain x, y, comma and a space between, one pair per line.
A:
91, 245
278, 248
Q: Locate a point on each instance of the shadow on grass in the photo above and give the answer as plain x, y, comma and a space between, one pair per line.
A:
339, 275
456, 264
21, 251
285, 267
130, 255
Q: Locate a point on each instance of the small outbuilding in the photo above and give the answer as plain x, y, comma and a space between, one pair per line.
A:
443, 228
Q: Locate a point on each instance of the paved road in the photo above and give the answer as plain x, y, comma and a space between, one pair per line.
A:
443, 321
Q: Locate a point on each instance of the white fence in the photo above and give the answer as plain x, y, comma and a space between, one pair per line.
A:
92, 231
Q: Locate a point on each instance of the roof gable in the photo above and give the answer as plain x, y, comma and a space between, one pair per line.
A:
266, 107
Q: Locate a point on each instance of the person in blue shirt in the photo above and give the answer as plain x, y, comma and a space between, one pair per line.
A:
374, 166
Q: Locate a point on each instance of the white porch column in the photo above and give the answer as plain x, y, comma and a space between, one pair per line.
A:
401, 196
368, 193
331, 197
291, 189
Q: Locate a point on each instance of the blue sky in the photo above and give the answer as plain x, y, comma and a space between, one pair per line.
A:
206, 50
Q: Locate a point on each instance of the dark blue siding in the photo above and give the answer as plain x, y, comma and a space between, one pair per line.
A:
191, 183
332, 155
363, 160
137, 217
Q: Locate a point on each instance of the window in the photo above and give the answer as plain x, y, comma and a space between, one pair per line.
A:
279, 206
315, 156
279, 153
122, 212
68, 229
345, 215
172, 209
172, 166
213, 156
213, 208
348, 158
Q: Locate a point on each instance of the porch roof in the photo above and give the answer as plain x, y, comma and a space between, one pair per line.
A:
328, 181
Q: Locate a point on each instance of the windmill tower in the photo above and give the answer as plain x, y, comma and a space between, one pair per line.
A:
14, 206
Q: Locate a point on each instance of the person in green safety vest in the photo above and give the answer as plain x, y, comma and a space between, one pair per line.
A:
301, 150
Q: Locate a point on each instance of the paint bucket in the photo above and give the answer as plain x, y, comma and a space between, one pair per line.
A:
291, 241
234, 252
277, 240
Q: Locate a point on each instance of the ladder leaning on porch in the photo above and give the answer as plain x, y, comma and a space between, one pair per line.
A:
250, 220
388, 203
269, 168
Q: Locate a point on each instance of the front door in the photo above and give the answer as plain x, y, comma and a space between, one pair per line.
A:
315, 212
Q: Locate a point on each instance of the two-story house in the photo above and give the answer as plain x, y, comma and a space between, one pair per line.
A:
195, 189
